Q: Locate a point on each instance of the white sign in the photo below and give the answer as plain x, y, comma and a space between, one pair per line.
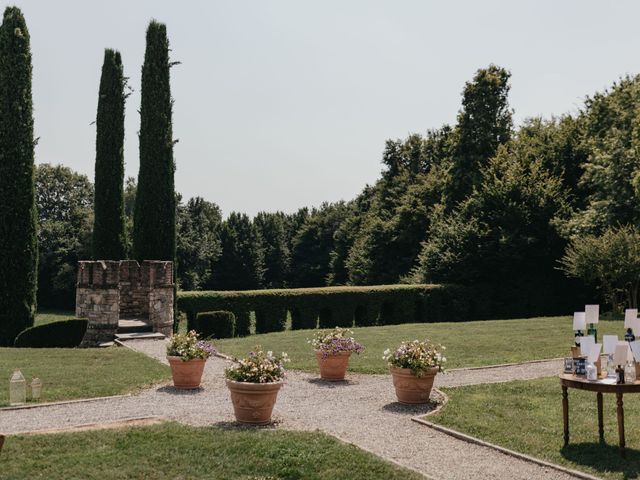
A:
586, 344
630, 318
635, 349
579, 321
609, 344
621, 354
592, 312
594, 353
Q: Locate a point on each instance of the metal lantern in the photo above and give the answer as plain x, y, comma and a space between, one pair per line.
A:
17, 389
36, 389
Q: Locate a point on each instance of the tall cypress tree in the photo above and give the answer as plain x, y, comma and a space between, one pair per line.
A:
109, 239
154, 230
18, 242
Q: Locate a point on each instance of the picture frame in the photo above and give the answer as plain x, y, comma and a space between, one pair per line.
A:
568, 365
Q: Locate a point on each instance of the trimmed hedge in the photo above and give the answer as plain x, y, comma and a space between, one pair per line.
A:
334, 306
61, 334
217, 324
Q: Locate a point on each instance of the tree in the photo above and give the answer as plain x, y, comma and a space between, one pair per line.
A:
610, 262
272, 230
484, 123
198, 245
154, 233
64, 199
18, 242
241, 264
109, 235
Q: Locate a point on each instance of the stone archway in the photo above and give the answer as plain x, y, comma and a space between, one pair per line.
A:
111, 294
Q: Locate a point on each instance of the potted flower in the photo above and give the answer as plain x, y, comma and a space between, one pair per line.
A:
413, 367
333, 350
187, 356
254, 383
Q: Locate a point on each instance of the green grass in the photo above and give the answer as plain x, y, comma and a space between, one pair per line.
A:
526, 416
469, 344
172, 451
47, 316
80, 373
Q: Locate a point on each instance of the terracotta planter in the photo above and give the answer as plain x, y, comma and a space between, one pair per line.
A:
333, 367
186, 375
253, 402
411, 389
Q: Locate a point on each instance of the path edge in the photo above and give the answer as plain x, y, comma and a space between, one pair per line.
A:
506, 451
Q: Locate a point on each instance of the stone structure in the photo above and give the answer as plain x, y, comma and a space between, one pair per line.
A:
108, 291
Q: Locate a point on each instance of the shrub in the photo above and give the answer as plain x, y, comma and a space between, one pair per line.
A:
217, 324
61, 334
271, 318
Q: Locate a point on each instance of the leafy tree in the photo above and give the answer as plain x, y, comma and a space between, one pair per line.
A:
484, 123
241, 264
154, 233
610, 262
65, 213
109, 235
272, 230
198, 244
313, 244
18, 242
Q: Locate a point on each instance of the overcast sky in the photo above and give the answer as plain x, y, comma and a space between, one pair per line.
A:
283, 104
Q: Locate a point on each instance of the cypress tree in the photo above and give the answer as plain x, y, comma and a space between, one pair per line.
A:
154, 230
109, 239
18, 242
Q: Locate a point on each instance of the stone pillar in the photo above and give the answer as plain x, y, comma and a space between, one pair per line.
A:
98, 300
161, 290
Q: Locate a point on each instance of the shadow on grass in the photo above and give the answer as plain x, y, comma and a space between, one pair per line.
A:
331, 383
413, 410
604, 457
245, 426
170, 389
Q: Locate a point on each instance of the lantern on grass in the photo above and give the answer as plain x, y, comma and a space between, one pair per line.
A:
36, 389
17, 389
592, 316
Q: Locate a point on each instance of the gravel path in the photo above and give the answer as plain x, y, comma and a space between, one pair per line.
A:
361, 410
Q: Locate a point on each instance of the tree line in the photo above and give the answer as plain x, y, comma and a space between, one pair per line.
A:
480, 202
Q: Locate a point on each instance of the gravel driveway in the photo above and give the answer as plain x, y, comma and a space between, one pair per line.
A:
361, 410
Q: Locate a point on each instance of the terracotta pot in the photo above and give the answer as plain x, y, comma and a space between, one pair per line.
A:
333, 367
253, 402
411, 389
186, 375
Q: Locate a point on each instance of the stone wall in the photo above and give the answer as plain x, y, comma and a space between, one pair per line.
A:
110, 290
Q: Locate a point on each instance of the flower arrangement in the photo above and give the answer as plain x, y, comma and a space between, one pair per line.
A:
416, 355
258, 367
335, 341
187, 347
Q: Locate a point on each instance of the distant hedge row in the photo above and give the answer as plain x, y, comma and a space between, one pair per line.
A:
333, 306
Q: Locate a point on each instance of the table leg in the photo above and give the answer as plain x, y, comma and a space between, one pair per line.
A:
600, 417
565, 414
621, 424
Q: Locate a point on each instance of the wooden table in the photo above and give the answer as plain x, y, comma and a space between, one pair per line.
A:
606, 385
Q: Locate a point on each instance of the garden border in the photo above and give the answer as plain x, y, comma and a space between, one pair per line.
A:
468, 438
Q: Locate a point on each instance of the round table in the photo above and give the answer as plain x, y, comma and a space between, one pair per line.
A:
600, 386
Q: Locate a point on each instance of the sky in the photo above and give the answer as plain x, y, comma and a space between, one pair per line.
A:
281, 104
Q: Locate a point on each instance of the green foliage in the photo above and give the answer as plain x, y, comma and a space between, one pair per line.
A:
154, 233
109, 235
241, 264
610, 262
484, 123
336, 306
217, 324
277, 259
18, 241
61, 334
198, 245
64, 201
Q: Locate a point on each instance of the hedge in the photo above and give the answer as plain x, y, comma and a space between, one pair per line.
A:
61, 334
217, 324
334, 306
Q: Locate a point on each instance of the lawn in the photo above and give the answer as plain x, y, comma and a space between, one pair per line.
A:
47, 316
80, 373
469, 344
171, 451
526, 416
